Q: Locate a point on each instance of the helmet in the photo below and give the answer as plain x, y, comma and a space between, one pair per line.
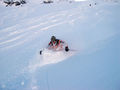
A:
53, 38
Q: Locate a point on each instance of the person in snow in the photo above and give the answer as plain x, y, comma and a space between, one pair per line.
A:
57, 44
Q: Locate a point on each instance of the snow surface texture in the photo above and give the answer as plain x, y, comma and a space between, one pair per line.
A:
89, 27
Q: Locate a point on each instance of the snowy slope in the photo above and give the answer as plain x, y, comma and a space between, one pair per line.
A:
93, 31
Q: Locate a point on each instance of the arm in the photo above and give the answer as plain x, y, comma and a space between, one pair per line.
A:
66, 45
49, 45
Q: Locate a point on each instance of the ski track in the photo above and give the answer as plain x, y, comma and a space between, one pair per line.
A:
18, 34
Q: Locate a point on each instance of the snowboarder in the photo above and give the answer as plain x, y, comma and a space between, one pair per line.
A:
56, 44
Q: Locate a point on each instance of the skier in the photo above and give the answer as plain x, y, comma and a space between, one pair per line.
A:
56, 44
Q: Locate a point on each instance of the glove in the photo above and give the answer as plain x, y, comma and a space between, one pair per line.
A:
66, 49
41, 52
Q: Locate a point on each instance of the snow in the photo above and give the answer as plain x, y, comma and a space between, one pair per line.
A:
49, 57
92, 31
79, 0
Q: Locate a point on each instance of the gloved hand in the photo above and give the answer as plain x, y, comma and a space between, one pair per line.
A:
41, 52
66, 49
